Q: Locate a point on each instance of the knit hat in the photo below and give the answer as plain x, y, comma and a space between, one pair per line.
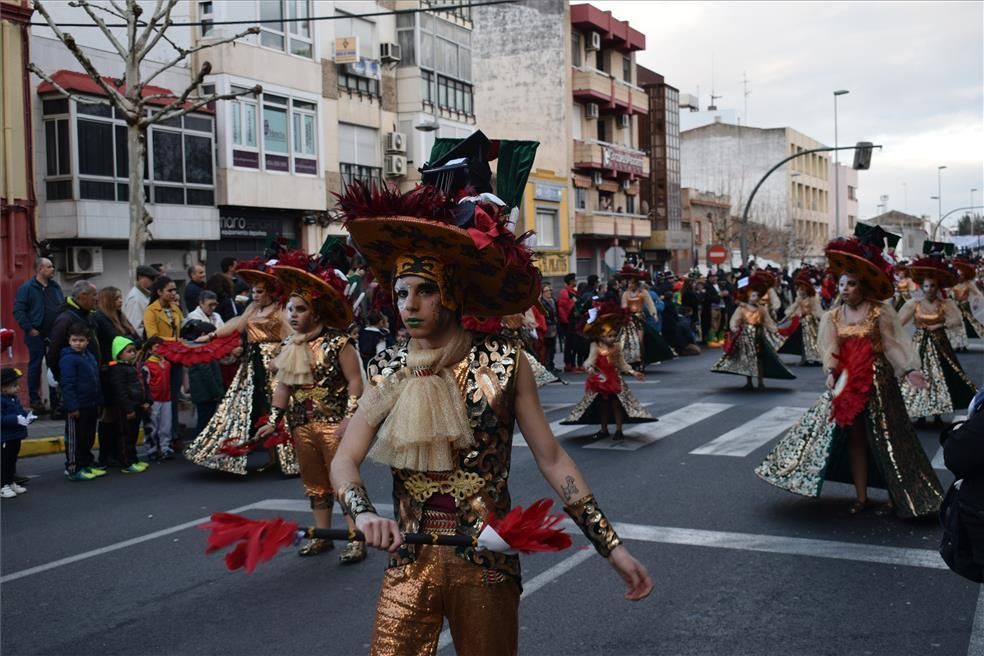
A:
120, 343
9, 375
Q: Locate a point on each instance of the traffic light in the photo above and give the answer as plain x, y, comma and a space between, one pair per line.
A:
862, 156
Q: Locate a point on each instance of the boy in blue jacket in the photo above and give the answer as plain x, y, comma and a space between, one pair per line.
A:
14, 420
81, 397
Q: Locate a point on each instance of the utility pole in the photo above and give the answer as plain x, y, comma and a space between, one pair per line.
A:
747, 93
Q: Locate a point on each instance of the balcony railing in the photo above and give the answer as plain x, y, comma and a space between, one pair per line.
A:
593, 85
612, 224
611, 157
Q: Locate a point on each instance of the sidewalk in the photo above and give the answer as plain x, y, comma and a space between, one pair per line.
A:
47, 436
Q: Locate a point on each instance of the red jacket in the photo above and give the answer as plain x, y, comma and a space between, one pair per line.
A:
157, 374
565, 303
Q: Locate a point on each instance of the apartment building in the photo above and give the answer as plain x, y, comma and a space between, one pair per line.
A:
847, 183
707, 217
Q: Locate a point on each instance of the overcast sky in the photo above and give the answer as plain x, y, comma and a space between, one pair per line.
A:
914, 71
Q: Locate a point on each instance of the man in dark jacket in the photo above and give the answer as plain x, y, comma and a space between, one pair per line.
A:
963, 453
38, 302
195, 286
78, 308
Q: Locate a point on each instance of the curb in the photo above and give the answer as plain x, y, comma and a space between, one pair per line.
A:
46, 446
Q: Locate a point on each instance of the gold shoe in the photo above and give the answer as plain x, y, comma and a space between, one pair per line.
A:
355, 552
315, 547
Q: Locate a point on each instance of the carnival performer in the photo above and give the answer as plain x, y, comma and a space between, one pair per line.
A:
949, 386
515, 327
226, 441
968, 297
441, 413
640, 343
605, 393
858, 431
800, 328
318, 385
750, 352
906, 288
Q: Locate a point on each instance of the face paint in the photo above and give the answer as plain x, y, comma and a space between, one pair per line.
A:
930, 288
850, 289
419, 302
300, 315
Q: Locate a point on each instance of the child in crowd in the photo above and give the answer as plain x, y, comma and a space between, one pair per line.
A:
81, 397
204, 380
15, 420
129, 403
157, 377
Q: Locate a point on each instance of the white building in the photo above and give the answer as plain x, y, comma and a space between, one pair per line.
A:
847, 193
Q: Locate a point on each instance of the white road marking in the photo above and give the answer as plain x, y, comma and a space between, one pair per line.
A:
744, 439
938, 460
555, 427
640, 435
537, 582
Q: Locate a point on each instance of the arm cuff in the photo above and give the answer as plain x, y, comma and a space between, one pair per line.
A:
355, 500
592, 521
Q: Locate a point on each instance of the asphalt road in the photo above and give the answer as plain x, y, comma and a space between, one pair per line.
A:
116, 566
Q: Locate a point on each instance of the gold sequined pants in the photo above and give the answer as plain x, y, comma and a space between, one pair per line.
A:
481, 606
316, 443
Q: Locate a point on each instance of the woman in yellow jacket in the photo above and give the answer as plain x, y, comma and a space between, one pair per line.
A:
163, 318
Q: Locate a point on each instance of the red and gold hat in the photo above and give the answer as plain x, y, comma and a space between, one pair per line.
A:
478, 263
257, 271
966, 267
629, 272
933, 268
604, 320
304, 276
864, 260
808, 279
760, 281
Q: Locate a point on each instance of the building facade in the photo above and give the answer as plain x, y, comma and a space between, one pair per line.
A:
707, 217
789, 218
847, 182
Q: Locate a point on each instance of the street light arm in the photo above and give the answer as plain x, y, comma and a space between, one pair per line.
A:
937, 225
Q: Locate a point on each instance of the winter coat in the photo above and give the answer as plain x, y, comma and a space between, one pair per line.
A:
963, 453
106, 331
80, 386
34, 303
58, 339
10, 409
565, 304
206, 384
157, 377
126, 387
157, 323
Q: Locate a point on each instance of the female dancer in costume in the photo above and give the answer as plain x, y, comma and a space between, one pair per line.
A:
750, 351
858, 431
949, 386
319, 382
225, 442
969, 299
605, 393
803, 321
641, 344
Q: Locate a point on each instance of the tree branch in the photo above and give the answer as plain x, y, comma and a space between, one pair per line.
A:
183, 53
77, 98
161, 12
167, 114
115, 11
107, 32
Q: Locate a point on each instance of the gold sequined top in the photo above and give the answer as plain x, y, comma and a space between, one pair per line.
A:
961, 292
634, 302
752, 317
867, 328
327, 399
265, 329
925, 318
479, 483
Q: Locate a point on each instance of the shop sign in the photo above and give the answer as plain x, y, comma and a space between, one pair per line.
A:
620, 159
347, 50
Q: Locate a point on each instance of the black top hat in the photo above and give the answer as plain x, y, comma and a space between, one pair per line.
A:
9, 375
940, 248
876, 235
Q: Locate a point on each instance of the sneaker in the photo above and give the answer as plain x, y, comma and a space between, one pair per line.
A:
96, 471
81, 475
7, 493
167, 455
19, 489
132, 469
142, 466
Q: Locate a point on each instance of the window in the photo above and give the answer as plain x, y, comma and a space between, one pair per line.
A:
358, 153
602, 129
580, 198
600, 62
547, 228
205, 16
359, 84
407, 38
179, 167
361, 28
851, 193
630, 204
445, 51
627, 69
293, 37
577, 51
454, 95
289, 142
427, 80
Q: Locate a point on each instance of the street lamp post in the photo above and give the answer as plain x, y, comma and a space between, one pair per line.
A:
837, 213
939, 191
973, 217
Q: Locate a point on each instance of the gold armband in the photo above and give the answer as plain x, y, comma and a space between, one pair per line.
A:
593, 523
351, 406
355, 500
276, 414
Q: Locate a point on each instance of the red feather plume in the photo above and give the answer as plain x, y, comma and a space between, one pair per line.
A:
256, 540
533, 529
190, 353
855, 357
478, 325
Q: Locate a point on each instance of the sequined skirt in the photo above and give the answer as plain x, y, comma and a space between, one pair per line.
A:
949, 386
541, 374
958, 337
751, 350
803, 341
972, 326
246, 399
815, 450
588, 410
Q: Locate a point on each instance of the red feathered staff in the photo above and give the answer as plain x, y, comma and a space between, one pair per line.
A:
794, 324
258, 540
189, 353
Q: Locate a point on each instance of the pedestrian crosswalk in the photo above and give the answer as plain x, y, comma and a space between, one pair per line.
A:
748, 436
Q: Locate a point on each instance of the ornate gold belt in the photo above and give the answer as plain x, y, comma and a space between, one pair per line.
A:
459, 484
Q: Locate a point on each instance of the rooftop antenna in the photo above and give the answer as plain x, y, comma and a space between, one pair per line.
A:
712, 107
744, 82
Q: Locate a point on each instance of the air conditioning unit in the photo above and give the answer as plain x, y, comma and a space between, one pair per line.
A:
594, 41
84, 259
626, 184
395, 166
626, 120
591, 110
389, 52
396, 142
596, 178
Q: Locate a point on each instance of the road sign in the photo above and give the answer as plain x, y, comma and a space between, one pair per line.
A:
717, 254
614, 257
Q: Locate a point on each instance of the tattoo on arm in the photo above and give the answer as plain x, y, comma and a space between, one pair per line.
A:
568, 489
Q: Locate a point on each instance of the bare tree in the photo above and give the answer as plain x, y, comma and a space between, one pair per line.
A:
139, 109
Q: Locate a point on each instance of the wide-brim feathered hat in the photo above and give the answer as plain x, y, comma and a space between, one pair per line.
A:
629, 272
760, 281
862, 257
934, 268
808, 279
307, 277
258, 271
965, 266
604, 320
457, 239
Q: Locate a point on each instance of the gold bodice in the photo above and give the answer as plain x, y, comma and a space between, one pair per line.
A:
269, 328
634, 302
961, 292
929, 317
867, 328
327, 399
752, 317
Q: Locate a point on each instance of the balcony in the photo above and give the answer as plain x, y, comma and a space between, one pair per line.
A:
592, 85
670, 240
611, 158
611, 224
